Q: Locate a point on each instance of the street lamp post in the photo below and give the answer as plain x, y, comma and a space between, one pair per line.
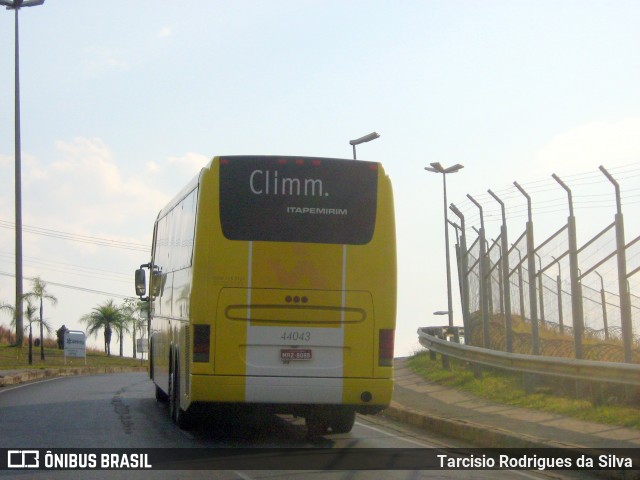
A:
17, 5
438, 168
365, 139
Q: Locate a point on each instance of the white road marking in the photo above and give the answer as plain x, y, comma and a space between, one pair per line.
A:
243, 476
31, 382
415, 442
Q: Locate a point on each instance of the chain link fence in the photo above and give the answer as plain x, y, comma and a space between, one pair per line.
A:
552, 297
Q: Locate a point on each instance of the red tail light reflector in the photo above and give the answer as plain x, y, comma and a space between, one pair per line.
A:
201, 341
385, 352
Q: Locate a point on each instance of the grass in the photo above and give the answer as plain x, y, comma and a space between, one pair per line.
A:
507, 388
12, 359
17, 358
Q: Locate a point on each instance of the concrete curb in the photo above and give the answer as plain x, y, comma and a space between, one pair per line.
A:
489, 436
30, 375
481, 435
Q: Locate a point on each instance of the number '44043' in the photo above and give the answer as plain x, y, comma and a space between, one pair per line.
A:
296, 336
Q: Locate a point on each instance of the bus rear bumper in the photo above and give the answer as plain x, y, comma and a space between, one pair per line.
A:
368, 395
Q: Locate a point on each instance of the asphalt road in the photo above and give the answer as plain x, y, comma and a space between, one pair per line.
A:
120, 411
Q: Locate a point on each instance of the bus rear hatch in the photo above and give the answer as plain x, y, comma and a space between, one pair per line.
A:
280, 332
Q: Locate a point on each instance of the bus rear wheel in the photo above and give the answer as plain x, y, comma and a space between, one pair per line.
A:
317, 424
177, 414
342, 420
334, 419
161, 396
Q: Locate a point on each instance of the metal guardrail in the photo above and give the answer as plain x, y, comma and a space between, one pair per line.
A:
595, 371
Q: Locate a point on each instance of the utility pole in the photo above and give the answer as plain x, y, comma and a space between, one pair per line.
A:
17, 5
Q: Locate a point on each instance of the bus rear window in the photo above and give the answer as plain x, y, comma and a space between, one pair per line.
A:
292, 199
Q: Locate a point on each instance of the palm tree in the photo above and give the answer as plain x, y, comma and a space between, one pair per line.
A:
122, 326
104, 317
40, 293
30, 317
5, 307
10, 309
142, 321
131, 310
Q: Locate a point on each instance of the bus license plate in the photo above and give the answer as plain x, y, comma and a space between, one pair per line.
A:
287, 355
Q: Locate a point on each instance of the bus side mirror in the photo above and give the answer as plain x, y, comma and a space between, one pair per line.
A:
141, 282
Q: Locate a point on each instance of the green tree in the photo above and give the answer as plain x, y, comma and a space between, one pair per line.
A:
122, 326
104, 317
142, 322
40, 294
31, 318
10, 309
132, 309
5, 307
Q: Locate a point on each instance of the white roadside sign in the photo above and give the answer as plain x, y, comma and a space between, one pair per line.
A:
75, 345
142, 346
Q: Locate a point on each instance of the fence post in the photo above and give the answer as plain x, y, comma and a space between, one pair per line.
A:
464, 276
488, 270
531, 266
541, 290
457, 252
483, 287
520, 283
500, 287
559, 288
625, 296
506, 283
576, 286
603, 299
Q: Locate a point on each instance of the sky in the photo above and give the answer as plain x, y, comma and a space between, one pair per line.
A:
123, 102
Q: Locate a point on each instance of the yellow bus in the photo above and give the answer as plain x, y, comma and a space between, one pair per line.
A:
273, 284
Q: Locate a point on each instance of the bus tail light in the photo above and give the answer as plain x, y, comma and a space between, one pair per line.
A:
201, 341
385, 352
